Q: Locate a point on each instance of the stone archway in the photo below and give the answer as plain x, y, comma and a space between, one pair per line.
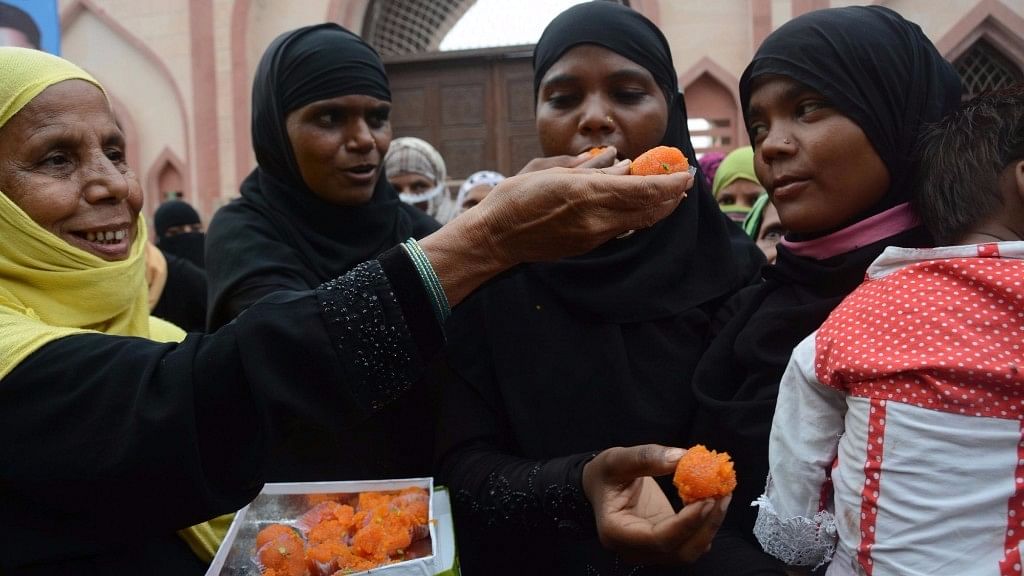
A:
411, 26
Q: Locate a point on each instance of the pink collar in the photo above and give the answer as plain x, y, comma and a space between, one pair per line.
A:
867, 231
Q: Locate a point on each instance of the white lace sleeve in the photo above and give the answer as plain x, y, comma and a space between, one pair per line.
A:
797, 541
795, 523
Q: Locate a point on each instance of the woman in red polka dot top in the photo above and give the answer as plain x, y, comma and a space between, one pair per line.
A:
898, 439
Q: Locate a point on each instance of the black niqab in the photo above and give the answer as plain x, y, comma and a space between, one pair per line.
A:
188, 245
280, 232
680, 262
882, 72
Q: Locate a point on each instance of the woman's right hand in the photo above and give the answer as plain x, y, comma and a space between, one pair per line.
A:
548, 215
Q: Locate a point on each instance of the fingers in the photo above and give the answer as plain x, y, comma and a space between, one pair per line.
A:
620, 168
603, 159
624, 465
564, 161
688, 534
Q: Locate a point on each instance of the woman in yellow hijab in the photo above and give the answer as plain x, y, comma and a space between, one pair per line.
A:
736, 187
119, 432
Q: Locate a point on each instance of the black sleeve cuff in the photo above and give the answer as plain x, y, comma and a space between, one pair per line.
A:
414, 301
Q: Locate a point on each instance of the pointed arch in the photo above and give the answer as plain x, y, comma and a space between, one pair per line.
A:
161, 175
109, 71
992, 21
712, 93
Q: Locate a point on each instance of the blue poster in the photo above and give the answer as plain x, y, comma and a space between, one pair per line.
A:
30, 23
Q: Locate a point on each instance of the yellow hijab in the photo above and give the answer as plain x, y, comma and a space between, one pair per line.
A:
737, 165
50, 289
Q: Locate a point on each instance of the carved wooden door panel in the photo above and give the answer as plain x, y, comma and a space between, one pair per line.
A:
476, 109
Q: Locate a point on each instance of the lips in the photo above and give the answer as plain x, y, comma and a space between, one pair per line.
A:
110, 242
361, 173
788, 185
590, 147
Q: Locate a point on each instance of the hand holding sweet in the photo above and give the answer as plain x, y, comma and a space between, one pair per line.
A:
635, 519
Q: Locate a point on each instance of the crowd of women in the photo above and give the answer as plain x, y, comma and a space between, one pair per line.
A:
546, 355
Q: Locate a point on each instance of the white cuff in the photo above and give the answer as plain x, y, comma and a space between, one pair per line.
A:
797, 541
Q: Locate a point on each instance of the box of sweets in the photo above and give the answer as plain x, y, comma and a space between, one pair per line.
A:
386, 527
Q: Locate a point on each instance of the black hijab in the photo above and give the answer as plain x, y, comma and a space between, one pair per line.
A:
884, 74
280, 232
680, 262
188, 245
560, 360
877, 68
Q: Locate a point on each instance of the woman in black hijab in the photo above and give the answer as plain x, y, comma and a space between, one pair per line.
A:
559, 361
179, 231
296, 224
317, 205
181, 239
834, 102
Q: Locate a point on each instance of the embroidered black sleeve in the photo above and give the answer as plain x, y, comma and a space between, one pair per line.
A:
544, 495
366, 325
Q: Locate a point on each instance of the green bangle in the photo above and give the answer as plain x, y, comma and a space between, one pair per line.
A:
438, 299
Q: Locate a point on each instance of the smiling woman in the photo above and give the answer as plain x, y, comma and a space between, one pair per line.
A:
119, 429
65, 141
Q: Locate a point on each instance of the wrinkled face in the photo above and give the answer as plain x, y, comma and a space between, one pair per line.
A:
771, 233
62, 161
594, 97
816, 164
339, 146
475, 195
411, 183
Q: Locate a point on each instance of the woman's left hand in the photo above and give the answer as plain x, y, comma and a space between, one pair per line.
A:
635, 519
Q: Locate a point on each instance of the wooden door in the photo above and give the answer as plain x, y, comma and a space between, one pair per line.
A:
475, 107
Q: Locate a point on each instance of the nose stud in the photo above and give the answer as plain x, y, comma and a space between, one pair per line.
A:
786, 141
609, 119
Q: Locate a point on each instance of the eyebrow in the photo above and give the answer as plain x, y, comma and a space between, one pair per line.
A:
792, 92
618, 75
331, 105
630, 74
